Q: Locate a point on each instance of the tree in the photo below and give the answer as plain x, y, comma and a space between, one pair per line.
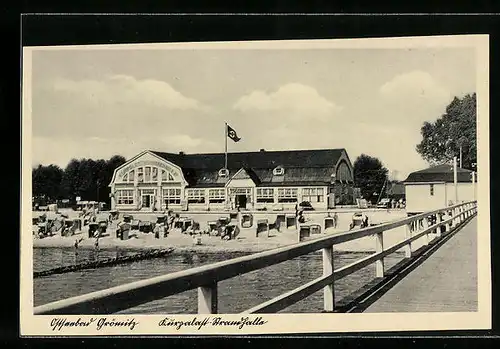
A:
46, 183
370, 176
441, 140
89, 178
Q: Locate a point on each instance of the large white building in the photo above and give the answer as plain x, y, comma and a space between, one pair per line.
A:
156, 181
434, 188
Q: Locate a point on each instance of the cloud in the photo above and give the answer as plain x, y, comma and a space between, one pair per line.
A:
415, 85
59, 151
295, 98
126, 90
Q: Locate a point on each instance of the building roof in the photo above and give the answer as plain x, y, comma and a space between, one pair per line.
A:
309, 167
440, 173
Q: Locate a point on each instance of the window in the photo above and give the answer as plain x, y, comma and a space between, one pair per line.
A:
125, 197
166, 176
216, 196
125, 178
147, 174
171, 196
131, 176
196, 196
140, 175
240, 191
313, 194
154, 174
265, 195
223, 172
279, 171
431, 188
287, 195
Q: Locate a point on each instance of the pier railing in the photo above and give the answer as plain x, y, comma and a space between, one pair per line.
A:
206, 278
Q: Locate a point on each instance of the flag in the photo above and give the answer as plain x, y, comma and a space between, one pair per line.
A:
231, 133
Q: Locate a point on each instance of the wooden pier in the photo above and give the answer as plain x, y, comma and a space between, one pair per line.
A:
440, 223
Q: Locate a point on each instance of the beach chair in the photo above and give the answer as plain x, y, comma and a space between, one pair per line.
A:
93, 229
146, 227
188, 222
280, 221
304, 231
246, 220
134, 224
161, 219
262, 226
121, 228
159, 230
224, 220
290, 221
315, 228
329, 222
228, 232
212, 227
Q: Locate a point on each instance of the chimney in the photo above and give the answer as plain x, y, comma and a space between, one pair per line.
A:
262, 150
181, 153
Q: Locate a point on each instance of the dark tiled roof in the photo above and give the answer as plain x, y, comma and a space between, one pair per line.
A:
310, 167
260, 159
440, 173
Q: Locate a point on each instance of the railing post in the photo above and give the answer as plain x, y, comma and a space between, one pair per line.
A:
425, 226
329, 290
207, 299
448, 224
439, 220
379, 247
408, 235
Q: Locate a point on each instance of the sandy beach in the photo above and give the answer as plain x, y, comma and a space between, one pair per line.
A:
246, 241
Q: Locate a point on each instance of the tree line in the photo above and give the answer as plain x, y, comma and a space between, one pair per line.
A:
84, 178
442, 140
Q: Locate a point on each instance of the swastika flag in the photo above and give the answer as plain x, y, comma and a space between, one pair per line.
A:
231, 133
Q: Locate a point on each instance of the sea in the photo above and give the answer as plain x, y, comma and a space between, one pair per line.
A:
234, 295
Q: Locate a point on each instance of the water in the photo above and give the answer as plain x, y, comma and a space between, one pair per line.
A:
235, 295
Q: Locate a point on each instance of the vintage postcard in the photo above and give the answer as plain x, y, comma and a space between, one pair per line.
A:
267, 187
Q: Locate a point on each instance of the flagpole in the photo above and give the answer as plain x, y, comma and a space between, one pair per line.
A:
225, 142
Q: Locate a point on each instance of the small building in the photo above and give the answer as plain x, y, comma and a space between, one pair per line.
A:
434, 188
270, 180
396, 191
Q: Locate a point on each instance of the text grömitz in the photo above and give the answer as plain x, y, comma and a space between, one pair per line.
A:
99, 323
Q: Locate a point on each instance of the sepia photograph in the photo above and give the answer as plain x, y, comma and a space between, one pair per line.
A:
256, 187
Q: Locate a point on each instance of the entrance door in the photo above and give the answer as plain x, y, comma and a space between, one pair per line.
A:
147, 198
146, 201
241, 201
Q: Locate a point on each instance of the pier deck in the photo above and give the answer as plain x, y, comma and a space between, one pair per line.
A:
446, 281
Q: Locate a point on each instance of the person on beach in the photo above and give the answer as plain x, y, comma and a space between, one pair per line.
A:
301, 218
335, 220
77, 243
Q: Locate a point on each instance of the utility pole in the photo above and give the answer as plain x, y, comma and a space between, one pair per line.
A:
474, 185
460, 155
455, 178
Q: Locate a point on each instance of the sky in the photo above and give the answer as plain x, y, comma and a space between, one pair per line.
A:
97, 103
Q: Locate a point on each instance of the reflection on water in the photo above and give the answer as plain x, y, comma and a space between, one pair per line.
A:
235, 295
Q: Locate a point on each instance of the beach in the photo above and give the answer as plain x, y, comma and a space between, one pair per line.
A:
245, 241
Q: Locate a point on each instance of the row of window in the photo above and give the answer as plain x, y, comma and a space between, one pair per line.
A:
278, 171
147, 174
264, 195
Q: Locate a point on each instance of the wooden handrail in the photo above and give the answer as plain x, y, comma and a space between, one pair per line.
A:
205, 278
